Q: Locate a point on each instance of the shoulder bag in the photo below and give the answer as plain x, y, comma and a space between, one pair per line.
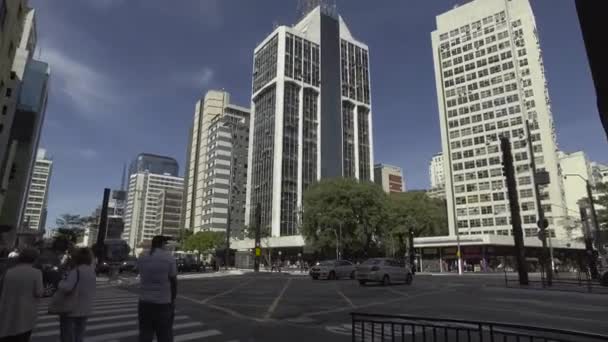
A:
65, 302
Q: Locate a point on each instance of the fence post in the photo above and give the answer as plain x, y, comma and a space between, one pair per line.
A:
480, 333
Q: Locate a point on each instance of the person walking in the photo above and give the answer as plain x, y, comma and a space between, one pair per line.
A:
20, 290
80, 282
158, 289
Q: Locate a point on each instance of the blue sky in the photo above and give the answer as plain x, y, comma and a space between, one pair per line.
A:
127, 73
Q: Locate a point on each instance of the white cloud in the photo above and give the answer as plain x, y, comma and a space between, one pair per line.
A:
88, 89
198, 79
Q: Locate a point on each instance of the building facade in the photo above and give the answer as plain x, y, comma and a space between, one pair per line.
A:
169, 213
37, 198
142, 210
389, 177
217, 165
155, 164
436, 172
311, 117
491, 81
24, 99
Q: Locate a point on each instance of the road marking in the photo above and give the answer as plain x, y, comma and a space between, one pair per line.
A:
346, 299
89, 320
276, 301
390, 289
100, 326
206, 300
134, 332
196, 335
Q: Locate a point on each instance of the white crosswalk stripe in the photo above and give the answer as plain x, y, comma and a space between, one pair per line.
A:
114, 319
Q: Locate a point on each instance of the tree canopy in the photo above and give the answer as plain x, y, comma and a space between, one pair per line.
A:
365, 219
205, 242
602, 206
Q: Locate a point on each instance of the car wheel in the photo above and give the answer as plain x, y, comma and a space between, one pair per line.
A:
386, 281
49, 289
362, 282
332, 275
408, 279
352, 275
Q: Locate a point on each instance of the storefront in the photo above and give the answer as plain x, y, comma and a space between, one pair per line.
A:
489, 253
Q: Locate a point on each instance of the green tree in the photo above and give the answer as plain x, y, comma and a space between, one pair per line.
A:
414, 212
69, 221
184, 234
345, 212
205, 242
70, 228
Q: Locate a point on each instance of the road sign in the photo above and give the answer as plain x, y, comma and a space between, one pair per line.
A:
542, 224
258, 251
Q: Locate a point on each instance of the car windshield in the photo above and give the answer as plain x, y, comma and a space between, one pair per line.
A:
327, 263
372, 262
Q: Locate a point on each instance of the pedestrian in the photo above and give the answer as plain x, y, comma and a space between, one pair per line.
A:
20, 290
158, 289
80, 282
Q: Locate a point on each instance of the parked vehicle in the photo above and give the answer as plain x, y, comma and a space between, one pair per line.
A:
102, 268
187, 263
385, 271
333, 269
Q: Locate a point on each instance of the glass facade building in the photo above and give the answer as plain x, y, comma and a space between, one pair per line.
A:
152, 163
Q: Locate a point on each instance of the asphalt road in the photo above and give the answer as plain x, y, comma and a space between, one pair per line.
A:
271, 307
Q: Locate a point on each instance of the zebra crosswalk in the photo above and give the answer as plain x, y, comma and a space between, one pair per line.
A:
114, 318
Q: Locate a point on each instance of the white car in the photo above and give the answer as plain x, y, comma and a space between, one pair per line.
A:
385, 271
333, 269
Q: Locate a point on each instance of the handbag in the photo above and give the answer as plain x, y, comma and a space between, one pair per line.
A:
65, 302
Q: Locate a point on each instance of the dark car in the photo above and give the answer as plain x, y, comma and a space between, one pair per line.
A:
187, 263
129, 265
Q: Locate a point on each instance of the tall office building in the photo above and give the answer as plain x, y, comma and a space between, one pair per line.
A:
24, 97
436, 172
37, 198
217, 165
143, 206
169, 213
311, 117
491, 80
153, 163
389, 177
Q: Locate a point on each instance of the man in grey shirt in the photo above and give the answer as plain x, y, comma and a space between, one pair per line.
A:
158, 289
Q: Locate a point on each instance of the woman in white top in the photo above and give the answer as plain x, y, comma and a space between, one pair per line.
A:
20, 289
81, 279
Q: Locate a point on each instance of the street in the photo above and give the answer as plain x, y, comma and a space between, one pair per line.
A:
277, 307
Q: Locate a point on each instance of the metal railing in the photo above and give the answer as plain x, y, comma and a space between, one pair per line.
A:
574, 282
401, 328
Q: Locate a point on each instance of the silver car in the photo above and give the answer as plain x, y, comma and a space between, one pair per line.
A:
385, 271
333, 269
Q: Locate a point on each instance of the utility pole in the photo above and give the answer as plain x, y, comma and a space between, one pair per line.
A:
542, 222
588, 243
518, 237
258, 234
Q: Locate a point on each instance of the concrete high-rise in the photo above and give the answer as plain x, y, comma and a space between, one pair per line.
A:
216, 173
389, 177
490, 80
169, 213
436, 172
24, 97
311, 117
153, 163
143, 209
37, 198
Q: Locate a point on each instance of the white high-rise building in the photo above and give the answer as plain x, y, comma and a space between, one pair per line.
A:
311, 117
436, 172
37, 198
217, 160
141, 215
490, 79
